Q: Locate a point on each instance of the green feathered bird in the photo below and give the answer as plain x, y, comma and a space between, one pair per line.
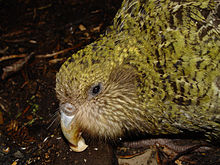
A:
157, 72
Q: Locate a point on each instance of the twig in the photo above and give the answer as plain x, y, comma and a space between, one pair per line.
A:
12, 57
4, 105
11, 34
188, 151
3, 50
54, 54
54, 61
15, 66
37, 56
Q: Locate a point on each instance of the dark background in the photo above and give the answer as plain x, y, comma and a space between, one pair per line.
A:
30, 32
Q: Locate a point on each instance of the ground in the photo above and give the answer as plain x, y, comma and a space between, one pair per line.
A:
36, 37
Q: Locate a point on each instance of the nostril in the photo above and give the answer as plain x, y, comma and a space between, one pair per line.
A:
68, 109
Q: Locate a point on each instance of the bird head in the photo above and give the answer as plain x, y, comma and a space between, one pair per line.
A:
97, 95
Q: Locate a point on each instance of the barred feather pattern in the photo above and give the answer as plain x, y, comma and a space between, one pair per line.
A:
159, 68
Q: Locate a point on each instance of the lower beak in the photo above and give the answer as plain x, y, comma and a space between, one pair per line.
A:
72, 133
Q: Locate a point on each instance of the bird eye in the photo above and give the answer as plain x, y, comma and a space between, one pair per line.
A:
96, 89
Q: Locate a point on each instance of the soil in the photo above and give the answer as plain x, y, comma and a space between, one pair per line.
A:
36, 37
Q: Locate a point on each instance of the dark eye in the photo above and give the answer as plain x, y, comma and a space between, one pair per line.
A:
96, 89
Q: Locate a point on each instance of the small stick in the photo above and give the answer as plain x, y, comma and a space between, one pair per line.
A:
53, 54
12, 57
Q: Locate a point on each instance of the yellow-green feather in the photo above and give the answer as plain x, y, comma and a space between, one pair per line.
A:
174, 48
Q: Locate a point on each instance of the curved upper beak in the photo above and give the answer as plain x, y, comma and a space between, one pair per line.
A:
70, 129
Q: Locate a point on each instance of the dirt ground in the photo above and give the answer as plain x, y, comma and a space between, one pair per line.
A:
36, 37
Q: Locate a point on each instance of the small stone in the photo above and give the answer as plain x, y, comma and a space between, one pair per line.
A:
18, 154
47, 155
82, 27
6, 150
14, 163
96, 149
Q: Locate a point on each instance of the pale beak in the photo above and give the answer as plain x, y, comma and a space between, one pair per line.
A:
70, 129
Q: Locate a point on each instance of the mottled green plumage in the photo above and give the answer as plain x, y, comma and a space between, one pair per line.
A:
158, 69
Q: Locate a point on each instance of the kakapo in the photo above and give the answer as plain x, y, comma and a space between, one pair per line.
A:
157, 71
